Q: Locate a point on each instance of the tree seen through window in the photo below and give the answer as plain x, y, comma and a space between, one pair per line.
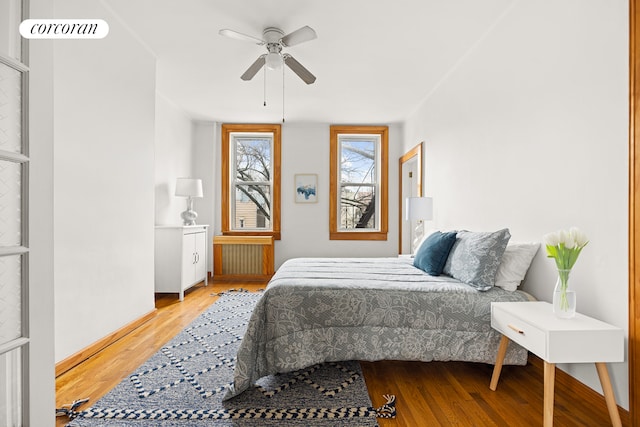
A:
358, 183
253, 182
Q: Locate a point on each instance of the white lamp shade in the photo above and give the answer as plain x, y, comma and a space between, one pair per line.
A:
189, 187
419, 208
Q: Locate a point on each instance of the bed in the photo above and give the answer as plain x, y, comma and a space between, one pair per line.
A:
318, 310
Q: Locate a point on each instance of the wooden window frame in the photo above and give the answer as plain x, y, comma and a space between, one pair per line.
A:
227, 129
334, 230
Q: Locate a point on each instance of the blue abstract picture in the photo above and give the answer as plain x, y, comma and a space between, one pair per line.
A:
306, 191
306, 185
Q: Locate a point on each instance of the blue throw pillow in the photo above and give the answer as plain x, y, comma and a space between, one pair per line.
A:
434, 251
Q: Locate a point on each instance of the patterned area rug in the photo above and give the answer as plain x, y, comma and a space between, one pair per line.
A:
187, 379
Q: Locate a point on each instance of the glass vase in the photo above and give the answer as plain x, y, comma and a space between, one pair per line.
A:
564, 299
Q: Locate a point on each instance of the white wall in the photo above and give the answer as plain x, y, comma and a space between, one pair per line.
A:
530, 132
173, 159
305, 227
183, 148
104, 105
204, 155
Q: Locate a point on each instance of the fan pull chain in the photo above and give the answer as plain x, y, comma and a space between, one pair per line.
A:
283, 92
264, 90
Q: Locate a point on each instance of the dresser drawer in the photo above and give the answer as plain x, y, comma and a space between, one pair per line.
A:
519, 331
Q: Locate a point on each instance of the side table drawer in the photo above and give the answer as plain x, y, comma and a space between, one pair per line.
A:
519, 331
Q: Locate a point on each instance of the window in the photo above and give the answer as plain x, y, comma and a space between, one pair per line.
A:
251, 180
358, 187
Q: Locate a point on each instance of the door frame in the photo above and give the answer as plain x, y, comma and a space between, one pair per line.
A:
415, 152
18, 61
634, 211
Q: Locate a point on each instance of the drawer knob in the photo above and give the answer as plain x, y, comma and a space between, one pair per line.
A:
515, 328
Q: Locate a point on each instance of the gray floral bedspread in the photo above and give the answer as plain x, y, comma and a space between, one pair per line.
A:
324, 309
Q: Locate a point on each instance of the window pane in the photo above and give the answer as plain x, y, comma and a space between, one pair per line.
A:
253, 159
357, 207
11, 388
253, 207
11, 302
10, 109
357, 160
10, 18
11, 202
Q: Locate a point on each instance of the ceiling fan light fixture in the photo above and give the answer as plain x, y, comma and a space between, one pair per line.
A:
273, 61
274, 40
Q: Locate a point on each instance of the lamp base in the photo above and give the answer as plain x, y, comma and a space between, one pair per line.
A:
418, 234
189, 217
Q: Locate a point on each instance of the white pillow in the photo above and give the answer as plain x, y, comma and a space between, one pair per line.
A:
514, 265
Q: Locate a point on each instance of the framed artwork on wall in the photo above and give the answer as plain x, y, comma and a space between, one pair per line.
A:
306, 188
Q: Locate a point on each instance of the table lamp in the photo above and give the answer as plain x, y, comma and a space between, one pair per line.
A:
189, 188
418, 209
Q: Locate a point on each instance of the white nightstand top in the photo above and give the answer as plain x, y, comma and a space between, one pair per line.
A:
541, 314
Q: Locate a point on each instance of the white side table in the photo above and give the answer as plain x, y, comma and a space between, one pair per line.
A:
581, 339
180, 257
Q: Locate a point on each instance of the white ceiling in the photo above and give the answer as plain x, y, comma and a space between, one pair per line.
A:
375, 60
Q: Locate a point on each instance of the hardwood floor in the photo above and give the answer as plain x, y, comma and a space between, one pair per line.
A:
427, 394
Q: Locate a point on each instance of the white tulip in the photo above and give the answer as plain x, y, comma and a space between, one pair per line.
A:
569, 242
565, 246
566, 238
578, 236
551, 239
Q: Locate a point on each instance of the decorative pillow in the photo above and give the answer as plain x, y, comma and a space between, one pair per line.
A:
434, 251
515, 262
475, 257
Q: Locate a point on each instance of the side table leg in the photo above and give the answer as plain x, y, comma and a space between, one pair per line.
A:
609, 396
549, 390
497, 368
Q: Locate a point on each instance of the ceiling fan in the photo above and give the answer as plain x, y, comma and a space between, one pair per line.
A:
275, 40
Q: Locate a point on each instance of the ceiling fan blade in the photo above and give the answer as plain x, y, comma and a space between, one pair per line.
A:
254, 68
239, 36
300, 35
297, 68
